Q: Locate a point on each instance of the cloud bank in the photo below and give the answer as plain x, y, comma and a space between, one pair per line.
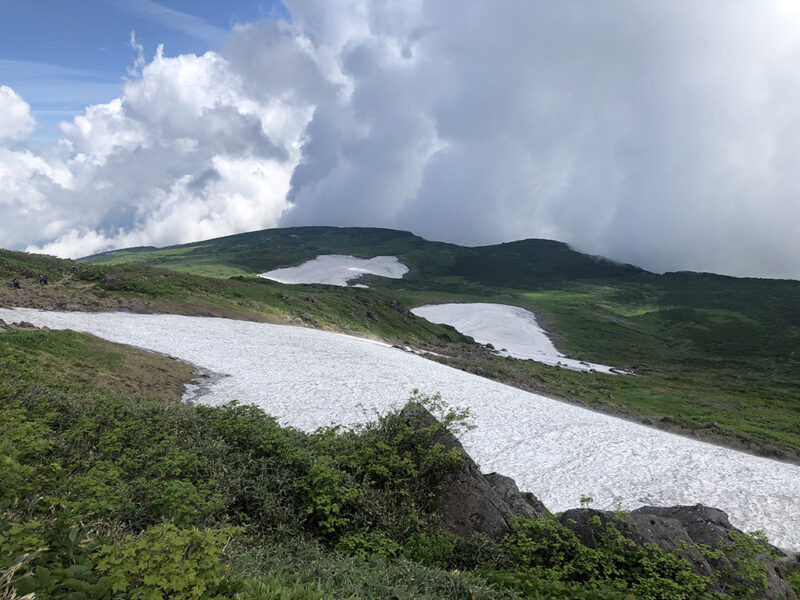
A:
658, 133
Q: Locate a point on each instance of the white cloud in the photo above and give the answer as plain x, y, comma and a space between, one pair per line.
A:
15, 115
184, 153
654, 133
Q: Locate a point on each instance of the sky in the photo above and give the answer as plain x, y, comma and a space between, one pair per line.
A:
657, 133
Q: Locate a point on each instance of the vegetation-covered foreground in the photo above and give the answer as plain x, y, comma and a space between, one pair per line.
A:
135, 495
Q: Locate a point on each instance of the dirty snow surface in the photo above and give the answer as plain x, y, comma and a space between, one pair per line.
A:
512, 330
308, 378
338, 269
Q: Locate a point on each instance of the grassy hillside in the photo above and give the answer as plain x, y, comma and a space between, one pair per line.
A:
715, 356
135, 495
529, 264
146, 289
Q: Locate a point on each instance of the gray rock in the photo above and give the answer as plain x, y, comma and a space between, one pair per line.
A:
399, 307
682, 528
710, 526
471, 502
523, 504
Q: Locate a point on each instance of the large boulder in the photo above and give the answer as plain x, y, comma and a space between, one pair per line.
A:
686, 529
472, 502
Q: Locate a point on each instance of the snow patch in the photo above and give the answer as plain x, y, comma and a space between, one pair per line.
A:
338, 269
512, 330
309, 378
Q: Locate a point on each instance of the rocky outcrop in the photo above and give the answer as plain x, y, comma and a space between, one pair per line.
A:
472, 502
522, 504
686, 529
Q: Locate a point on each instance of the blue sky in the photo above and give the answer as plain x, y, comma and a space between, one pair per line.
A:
64, 55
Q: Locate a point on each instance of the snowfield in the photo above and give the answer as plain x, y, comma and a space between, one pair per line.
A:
512, 330
338, 269
308, 378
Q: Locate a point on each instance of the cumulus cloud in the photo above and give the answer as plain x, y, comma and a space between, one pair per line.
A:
183, 154
15, 115
657, 133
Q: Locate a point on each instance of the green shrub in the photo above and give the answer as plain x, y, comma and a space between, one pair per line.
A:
368, 543
24, 439
478, 552
544, 545
793, 578
434, 550
168, 562
545, 550
743, 567
535, 586
307, 563
18, 538
397, 454
327, 496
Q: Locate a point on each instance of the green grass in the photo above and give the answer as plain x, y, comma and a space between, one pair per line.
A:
22, 264
356, 310
693, 366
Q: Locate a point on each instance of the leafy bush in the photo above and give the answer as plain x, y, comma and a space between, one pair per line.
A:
532, 586
543, 549
168, 562
22, 440
794, 580
368, 543
328, 495
397, 453
430, 550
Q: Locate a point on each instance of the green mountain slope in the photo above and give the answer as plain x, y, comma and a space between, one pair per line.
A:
530, 264
716, 357
146, 289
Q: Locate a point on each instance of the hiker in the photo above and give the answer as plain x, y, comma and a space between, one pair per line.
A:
14, 284
42, 278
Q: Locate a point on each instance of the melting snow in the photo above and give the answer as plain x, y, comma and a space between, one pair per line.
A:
512, 330
338, 269
309, 378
